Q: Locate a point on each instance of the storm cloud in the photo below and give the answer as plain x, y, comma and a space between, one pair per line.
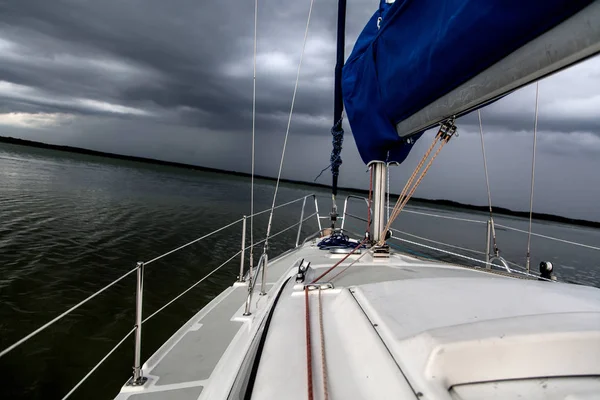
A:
173, 80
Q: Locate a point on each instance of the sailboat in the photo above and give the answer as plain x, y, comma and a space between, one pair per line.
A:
345, 316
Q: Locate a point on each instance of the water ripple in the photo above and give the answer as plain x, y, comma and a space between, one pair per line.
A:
71, 224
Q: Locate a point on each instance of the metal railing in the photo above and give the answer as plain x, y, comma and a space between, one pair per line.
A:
251, 275
347, 214
489, 256
138, 378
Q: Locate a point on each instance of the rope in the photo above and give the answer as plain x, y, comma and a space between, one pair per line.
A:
387, 206
340, 261
349, 265
337, 240
402, 201
406, 250
287, 131
429, 258
337, 133
412, 191
51, 322
414, 174
537, 90
587, 246
76, 306
253, 136
409, 182
416, 184
487, 182
280, 205
514, 264
321, 172
469, 258
369, 201
66, 396
191, 287
475, 221
323, 360
193, 241
424, 256
308, 346
335, 160
489, 271
440, 243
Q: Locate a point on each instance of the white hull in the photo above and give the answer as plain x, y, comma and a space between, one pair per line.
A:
402, 328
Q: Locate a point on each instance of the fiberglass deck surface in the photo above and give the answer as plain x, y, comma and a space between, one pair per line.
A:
182, 367
202, 359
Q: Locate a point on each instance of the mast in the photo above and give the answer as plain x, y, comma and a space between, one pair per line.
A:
338, 108
379, 175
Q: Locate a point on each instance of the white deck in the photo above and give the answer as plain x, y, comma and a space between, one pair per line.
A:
401, 328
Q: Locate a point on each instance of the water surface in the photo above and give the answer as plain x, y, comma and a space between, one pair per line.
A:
71, 224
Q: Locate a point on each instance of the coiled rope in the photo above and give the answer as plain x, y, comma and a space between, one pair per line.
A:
337, 133
335, 160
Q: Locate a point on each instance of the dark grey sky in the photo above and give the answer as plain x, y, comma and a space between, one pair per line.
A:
173, 80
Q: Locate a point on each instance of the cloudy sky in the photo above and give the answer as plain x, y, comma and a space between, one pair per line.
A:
173, 80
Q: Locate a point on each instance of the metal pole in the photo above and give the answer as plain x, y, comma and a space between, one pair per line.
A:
251, 267
317, 211
138, 378
248, 298
241, 277
528, 258
487, 246
300, 225
378, 222
344, 214
264, 274
251, 283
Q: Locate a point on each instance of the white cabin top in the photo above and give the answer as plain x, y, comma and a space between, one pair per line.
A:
452, 337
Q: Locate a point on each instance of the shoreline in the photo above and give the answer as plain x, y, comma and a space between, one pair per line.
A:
440, 202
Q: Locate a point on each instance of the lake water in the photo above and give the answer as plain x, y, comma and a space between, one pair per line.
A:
71, 224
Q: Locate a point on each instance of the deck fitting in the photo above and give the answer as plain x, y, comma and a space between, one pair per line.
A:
382, 251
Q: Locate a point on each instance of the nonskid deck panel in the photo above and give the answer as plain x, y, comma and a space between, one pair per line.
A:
197, 353
182, 368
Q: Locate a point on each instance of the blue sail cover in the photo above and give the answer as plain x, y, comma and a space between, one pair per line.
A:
424, 49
